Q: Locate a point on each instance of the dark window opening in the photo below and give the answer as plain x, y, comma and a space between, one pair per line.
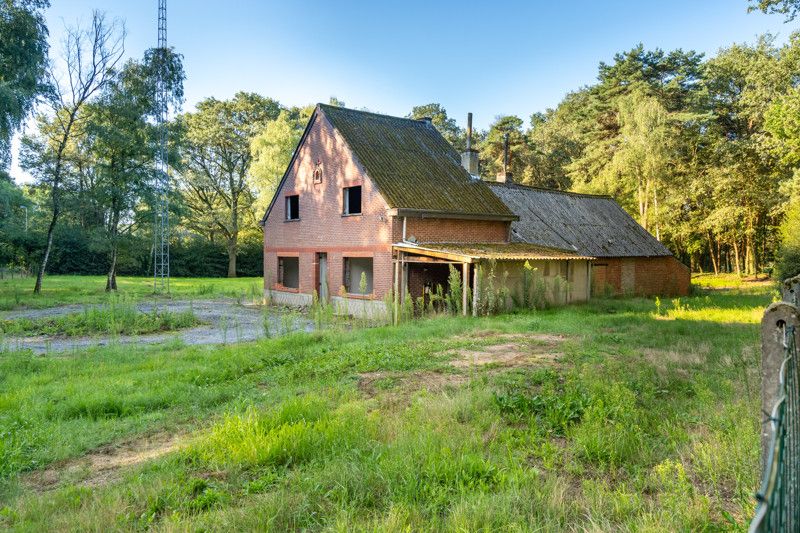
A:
352, 200
293, 207
358, 275
289, 272
317, 175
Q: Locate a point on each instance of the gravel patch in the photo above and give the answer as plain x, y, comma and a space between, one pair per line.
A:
225, 321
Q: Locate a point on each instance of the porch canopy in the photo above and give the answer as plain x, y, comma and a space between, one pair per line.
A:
473, 253
409, 253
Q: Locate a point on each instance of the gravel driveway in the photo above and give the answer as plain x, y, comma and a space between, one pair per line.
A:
225, 321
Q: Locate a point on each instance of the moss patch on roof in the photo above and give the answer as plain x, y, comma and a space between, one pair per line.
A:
412, 165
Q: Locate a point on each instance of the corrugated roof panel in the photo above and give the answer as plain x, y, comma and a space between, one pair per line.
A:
590, 225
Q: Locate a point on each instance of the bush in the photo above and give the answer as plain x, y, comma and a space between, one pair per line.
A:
787, 263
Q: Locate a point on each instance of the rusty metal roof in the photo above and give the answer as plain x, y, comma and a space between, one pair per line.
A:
515, 251
588, 225
413, 166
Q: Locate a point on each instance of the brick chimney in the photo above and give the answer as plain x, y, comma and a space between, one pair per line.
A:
469, 158
505, 175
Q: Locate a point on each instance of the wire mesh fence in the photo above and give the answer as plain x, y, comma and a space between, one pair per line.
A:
778, 508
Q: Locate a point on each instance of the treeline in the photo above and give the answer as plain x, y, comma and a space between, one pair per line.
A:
704, 152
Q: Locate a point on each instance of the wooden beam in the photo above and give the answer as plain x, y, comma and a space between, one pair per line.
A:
464, 287
475, 289
431, 261
457, 258
396, 290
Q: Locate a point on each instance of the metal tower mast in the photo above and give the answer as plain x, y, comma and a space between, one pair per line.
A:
162, 186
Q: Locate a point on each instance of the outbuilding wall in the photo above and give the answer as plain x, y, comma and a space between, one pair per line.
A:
574, 272
640, 276
446, 230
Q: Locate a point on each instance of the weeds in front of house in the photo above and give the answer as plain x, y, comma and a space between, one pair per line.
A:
118, 317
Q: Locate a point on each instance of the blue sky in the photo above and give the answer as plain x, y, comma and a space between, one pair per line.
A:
490, 58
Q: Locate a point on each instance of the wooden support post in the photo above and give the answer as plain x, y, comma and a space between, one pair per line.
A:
475, 289
397, 289
403, 278
776, 319
791, 291
464, 287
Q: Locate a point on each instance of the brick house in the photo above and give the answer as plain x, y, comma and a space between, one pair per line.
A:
370, 203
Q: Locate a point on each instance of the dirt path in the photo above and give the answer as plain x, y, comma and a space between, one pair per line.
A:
106, 464
225, 321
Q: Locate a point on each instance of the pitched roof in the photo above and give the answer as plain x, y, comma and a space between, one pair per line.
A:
590, 225
413, 166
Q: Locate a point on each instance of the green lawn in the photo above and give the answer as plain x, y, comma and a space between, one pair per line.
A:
635, 416
61, 290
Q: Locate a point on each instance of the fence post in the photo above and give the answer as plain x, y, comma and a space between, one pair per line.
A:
776, 318
790, 291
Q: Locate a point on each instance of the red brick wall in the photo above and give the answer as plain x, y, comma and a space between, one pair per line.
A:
643, 276
451, 230
321, 227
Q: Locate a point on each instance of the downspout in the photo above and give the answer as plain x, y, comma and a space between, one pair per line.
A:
404, 229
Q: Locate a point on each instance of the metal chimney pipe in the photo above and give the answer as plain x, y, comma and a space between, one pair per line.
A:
469, 132
505, 153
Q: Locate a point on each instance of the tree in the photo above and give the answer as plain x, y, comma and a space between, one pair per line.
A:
492, 146
272, 150
743, 83
89, 58
641, 162
122, 141
447, 126
23, 62
217, 157
790, 8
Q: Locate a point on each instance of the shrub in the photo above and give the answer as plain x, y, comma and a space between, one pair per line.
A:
454, 292
787, 263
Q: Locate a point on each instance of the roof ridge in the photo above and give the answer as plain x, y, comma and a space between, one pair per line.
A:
545, 189
373, 113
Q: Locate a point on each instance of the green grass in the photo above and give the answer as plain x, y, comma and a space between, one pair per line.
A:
62, 290
649, 422
115, 318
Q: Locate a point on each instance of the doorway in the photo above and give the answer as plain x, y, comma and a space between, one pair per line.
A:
322, 276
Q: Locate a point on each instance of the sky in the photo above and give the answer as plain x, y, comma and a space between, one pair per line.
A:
488, 58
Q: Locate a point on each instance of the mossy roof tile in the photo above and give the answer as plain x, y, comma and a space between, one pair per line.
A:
412, 165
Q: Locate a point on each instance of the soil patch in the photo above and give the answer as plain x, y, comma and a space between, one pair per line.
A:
105, 464
372, 383
517, 349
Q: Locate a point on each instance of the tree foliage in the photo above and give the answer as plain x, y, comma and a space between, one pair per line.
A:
23, 62
217, 156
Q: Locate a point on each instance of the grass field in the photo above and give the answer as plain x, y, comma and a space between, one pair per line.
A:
18, 293
619, 414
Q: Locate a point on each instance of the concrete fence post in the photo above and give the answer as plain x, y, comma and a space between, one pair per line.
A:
790, 291
776, 318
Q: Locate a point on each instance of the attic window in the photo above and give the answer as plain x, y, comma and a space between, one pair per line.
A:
352, 201
318, 174
293, 207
